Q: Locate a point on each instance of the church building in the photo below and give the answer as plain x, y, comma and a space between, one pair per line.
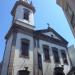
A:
29, 51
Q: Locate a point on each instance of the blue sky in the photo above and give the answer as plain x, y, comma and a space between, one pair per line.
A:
47, 11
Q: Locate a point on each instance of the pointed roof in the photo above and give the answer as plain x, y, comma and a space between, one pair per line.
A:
49, 29
39, 34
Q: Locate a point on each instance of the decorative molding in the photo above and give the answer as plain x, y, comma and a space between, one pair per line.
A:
37, 34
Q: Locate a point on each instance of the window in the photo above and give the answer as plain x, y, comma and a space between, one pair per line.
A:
65, 6
26, 14
39, 61
63, 54
56, 56
69, 12
73, 21
51, 35
25, 48
46, 53
62, 2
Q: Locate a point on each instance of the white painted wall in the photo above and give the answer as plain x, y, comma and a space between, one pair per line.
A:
20, 13
20, 62
48, 67
19, 22
71, 51
6, 56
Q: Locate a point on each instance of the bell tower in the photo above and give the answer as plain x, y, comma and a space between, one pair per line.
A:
23, 13
19, 40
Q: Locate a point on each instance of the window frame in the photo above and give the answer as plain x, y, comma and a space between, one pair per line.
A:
45, 58
26, 41
26, 14
39, 64
57, 61
69, 12
63, 51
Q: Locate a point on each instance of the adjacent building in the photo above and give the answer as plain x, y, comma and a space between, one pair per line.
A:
71, 51
29, 51
68, 7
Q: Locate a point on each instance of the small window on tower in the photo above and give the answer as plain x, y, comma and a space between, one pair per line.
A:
25, 48
26, 14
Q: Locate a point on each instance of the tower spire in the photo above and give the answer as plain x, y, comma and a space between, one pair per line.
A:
23, 12
24, 0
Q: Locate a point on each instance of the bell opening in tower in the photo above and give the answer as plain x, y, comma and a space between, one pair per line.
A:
26, 14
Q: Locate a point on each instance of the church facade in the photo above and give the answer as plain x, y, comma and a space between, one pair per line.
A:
37, 52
